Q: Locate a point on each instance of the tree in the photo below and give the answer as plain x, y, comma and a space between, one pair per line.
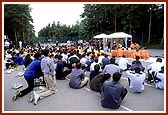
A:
17, 21
109, 18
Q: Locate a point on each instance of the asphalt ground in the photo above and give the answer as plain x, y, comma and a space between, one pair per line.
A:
81, 100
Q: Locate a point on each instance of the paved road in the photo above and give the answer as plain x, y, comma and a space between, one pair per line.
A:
81, 100
157, 52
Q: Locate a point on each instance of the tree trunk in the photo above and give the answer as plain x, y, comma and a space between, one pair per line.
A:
23, 38
130, 31
161, 43
16, 40
115, 23
149, 37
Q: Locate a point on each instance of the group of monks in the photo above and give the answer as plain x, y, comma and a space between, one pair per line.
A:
131, 52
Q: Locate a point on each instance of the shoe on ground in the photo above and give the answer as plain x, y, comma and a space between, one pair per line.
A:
36, 98
17, 85
31, 97
8, 71
15, 95
41, 87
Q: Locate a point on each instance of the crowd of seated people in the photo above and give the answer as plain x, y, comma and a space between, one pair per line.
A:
104, 70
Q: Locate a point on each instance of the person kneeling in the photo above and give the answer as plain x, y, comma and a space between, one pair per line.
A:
32, 72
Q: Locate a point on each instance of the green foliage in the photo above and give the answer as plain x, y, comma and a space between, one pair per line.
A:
62, 33
97, 18
18, 22
130, 18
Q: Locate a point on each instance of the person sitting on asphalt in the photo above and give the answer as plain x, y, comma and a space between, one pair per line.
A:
72, 59
105, 61
100, 58
136, 80
32, 72
95, 72
123, 63
78, 79
89, 62
111, 68
93, 64
27, 60
83, 61
113, 92
155, 66
136, 59
98, 80
18, 59
59, 69
137, 64
8, 60
159, 79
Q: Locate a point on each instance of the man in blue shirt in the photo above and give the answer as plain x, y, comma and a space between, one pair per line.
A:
112, 92
18, 59
33, 71
59, 68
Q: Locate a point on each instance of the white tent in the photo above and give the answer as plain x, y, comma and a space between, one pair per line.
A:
101, 36
114, 35
120, 35
104, 36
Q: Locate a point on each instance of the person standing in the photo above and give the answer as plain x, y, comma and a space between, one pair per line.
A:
6, 45
20, 45
48, 69
32, 72
113, 92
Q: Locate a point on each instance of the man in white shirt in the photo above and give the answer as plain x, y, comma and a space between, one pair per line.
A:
100, 58
83, 60
159, 79
6, 44
154, 67
123, 63
93, 64
20, 44
136, 80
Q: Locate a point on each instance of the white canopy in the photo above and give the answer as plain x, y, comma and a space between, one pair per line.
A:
119, 35
123, 35
114, 35
104, 36
101, 36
